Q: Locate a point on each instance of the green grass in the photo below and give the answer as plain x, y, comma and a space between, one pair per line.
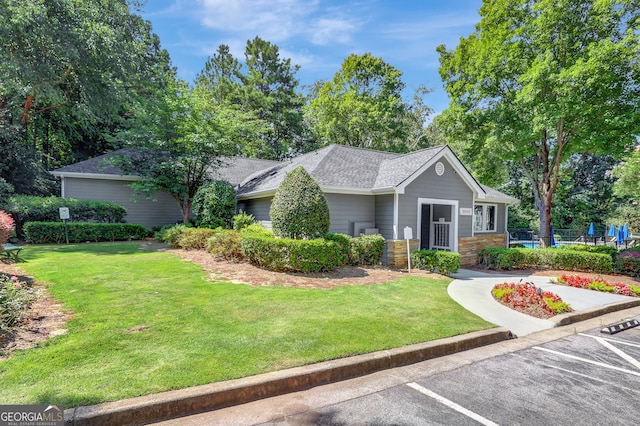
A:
196, 331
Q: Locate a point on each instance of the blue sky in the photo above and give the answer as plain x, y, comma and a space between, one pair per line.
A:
318, 34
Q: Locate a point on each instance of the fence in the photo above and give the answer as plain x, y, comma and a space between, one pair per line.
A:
530, 238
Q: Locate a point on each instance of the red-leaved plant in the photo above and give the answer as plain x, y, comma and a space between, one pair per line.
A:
7, 226
599, 284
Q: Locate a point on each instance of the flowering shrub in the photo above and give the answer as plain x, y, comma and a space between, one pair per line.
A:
7, 226
15, 298
525, 297
599, 284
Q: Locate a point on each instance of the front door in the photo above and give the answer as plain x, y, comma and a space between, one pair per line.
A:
437, 226
425, 228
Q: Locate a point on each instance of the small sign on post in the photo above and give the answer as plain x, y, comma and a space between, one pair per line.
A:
64, 215
408, 235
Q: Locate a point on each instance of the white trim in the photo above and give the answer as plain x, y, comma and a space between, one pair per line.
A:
456, 165
506, 222
395, 215
62, 187
78, 175
454, 217
484, 218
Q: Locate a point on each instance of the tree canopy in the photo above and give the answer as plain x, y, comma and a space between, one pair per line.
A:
538, 82
264, 86
71, 72
362, 106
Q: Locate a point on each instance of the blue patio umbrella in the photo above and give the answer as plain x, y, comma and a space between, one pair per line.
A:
625, 230
620, 240
553, 239
612, 230
591, 230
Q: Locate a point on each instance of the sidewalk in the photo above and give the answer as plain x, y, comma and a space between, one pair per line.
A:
472, 290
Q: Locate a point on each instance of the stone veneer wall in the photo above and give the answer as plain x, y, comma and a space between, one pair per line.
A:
397, 252
467, 247
470, 247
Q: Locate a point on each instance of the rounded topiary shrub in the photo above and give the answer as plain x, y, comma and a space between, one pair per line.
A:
299, 208
215, 205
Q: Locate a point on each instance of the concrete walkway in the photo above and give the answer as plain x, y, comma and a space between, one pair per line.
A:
472, 290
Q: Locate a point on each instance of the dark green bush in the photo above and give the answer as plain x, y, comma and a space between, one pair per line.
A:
242, 220
519, 258
226, 244
79, 232
444, 262
27, 208
299, 208
214, 205
288, 255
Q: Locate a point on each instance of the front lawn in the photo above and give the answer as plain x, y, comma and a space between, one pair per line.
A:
146, 322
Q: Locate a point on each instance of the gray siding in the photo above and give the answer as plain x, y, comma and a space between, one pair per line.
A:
384, 215
146, 212
345, 210
449, 186
258, 207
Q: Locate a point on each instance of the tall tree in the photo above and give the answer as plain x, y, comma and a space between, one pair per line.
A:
539, 81
362, 106
221, 76
70, 71
270, 89
264, 86
182, 142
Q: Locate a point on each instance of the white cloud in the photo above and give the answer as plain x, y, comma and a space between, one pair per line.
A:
278, 20
325, 31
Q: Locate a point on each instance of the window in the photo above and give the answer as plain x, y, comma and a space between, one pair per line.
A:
484, 218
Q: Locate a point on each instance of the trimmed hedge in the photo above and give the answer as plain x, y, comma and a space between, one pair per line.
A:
444, 262
288, 255
362, 250
522, 258
610, 250
28, 208
78, 232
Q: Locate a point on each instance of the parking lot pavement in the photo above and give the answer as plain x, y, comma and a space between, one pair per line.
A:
572, 375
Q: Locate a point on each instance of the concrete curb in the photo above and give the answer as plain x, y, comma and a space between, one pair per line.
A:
198, 399
585, 314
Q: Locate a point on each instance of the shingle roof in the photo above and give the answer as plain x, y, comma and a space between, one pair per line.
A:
236, 169
335, 167
396, 170
96, 165
495, 194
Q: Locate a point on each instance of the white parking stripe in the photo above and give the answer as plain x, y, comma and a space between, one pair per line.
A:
588, 361
615, 350
609, 339
451, 404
